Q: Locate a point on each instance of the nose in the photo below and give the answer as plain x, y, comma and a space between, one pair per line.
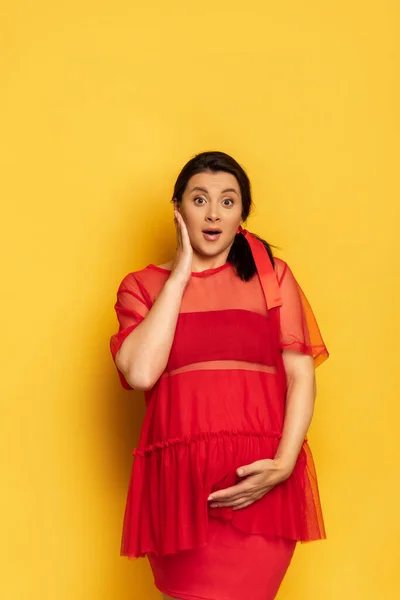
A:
212, 216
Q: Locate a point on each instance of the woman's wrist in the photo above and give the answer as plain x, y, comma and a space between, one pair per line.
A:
175, 285
284, 466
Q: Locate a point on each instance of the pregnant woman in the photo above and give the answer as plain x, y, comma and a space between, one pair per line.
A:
224, 344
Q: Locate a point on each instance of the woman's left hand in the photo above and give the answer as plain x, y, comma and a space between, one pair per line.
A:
260, 477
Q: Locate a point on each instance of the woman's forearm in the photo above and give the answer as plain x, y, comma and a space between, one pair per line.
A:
144, 354
300, 399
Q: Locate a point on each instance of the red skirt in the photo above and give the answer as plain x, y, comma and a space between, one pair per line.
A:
232, 566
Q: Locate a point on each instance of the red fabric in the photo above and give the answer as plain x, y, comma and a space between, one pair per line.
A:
265, 269
299, 328
132, 306
206, 572
201, 424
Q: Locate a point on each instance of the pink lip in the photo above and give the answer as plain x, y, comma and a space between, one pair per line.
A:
212, 238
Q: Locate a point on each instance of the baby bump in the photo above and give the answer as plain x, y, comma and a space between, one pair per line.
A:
208, 400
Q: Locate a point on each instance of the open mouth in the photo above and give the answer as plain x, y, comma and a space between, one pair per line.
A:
211, 234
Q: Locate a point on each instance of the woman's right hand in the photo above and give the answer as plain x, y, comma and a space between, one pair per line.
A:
182, 267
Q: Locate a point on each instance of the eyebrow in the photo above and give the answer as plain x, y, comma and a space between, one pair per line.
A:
201, 189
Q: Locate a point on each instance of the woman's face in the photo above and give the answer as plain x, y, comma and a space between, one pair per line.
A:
211, 201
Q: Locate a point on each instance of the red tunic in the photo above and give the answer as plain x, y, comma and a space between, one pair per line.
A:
219, 404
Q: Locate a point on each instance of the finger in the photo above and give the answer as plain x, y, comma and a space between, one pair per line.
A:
248, 501
226, 495
237, 503
185, 240
180, 226
242, 500
226, 503
243, 505
231, 493
178, 230
253, 468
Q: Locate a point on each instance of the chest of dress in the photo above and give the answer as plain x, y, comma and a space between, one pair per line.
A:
235, 334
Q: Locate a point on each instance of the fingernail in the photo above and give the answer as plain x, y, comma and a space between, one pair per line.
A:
210, 497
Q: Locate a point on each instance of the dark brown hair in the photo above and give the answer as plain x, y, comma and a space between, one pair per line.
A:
240, 253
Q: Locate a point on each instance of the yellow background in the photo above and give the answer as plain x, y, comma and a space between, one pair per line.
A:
101, 104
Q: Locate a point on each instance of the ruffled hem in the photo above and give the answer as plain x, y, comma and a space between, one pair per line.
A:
167, 508
201, 436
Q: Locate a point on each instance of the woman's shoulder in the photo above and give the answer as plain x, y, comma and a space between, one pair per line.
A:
151, 270
146, 276
280, 267
167, 265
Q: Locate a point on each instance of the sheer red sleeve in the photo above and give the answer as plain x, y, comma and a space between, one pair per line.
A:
299, 327
132, 305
